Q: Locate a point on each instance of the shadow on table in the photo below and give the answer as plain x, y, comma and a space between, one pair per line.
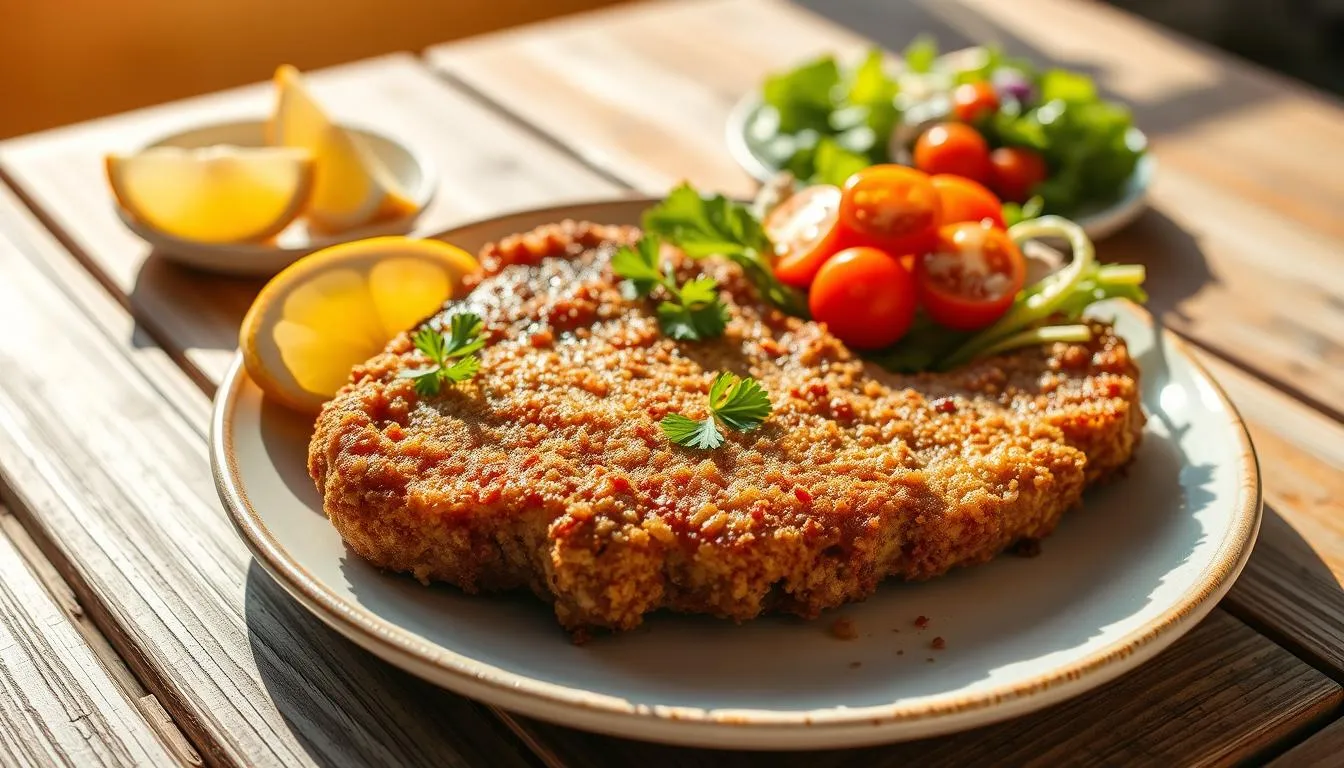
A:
347, 707
206, 308
893, 24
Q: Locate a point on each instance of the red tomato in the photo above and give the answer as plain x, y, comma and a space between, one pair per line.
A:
891, 207
805, 232
972, 102
966, 200
954, 148
1015, 172
865, 297
972, 277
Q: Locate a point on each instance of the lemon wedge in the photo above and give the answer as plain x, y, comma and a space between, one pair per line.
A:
340, 306
220, 194
353, 188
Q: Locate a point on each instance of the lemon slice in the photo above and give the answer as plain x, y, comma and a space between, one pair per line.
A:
353, 188
340, 306
218, 194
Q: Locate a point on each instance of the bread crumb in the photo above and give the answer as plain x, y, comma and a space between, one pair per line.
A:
938, 644
855, 664
922, 622
844, 629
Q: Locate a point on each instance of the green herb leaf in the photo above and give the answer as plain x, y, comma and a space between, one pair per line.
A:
639, 266
431, 342
739, 403
690, 433
708, 226
701, 290
461, 344
684, 323
921, 53
1068, 86
463, 369
802, 97
835, 164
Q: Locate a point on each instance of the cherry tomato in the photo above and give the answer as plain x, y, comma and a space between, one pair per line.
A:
966, 200
805, 230
1015, 172
954, 148
891, 207
972, 102
865, 297
972, 277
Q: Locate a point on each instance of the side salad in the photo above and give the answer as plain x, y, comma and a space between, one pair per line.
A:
1044, 140
915, 272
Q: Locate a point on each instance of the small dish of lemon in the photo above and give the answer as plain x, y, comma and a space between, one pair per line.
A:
250, 197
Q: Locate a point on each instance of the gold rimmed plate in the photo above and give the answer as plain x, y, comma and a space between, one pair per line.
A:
1123, 577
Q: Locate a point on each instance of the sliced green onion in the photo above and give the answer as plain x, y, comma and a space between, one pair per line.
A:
1043, 299
1047, 335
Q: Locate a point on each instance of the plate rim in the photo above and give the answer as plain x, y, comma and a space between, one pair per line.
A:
771, 728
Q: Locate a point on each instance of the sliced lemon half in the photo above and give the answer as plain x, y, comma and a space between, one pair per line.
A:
353, 188
340, 306
222, 194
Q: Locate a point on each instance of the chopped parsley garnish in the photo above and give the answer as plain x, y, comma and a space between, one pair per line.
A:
716, 226
452, 356
693, 311
738, 403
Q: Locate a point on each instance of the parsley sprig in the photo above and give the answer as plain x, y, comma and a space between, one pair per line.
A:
693, 311
738, 403
713, 225
452, 357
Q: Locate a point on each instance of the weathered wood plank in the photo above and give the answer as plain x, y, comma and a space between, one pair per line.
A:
1218, 696
1322, 750
485, 165
114, 483
643, 92
58, 705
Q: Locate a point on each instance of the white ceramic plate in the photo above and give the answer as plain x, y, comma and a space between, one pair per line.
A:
411, 171
1122, 578
1098, 221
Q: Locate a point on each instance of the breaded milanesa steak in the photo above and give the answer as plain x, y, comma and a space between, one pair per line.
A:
548, 470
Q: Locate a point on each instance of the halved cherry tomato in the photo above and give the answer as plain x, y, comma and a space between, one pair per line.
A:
954, 148
966, 200
865, 297
805, 231
891, 207
970, 280
972, 102
1016, 170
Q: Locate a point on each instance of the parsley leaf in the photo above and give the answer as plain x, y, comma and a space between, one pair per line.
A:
739, 403
694, 311
690, 433
716, 226
452, 356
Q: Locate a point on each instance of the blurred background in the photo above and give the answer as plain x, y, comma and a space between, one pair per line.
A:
70, 60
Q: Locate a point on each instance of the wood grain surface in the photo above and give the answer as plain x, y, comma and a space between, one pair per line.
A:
1220, 695
58, 706
1322, 750
113, 481
643, 91
485, 165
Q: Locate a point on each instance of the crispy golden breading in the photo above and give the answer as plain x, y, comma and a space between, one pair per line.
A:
549, 471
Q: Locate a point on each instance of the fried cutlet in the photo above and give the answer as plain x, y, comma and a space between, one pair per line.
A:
548, 471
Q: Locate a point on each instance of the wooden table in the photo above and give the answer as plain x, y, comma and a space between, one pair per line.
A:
134, 628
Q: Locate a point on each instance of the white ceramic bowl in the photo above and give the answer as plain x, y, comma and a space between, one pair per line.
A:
1140, 564
1098, 221
412, 171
